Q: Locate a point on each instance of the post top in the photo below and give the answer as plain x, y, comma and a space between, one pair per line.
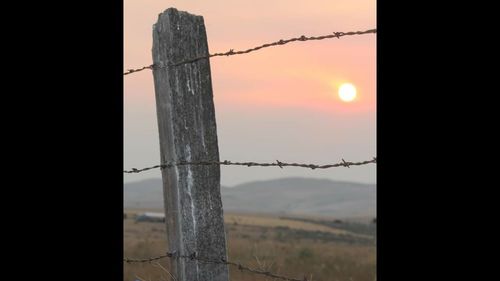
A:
172, 11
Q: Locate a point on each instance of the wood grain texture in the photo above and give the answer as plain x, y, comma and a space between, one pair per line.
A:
188, 132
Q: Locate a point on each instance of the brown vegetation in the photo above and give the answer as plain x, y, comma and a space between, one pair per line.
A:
286, 247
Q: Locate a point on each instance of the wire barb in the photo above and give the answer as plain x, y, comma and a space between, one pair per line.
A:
278, 163
130, 71
231, 52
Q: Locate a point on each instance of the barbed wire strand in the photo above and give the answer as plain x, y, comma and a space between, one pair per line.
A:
280, 42
278, 163
193, 257
130, 71
231, 52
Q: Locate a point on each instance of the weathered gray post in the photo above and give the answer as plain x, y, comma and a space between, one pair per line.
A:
186, 122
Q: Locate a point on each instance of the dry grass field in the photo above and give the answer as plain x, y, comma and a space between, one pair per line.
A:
284, 246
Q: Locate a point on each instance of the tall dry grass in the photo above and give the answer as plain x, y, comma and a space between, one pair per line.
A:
279, 250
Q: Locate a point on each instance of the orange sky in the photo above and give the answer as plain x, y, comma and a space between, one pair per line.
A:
283, 84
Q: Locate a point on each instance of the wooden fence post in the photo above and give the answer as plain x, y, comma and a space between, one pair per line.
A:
187, 129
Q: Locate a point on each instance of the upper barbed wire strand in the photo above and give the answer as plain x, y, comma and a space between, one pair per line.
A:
280, 42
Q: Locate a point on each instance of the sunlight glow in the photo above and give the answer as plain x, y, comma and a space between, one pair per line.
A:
347, 92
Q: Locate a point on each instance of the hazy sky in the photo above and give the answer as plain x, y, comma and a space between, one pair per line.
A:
276, 103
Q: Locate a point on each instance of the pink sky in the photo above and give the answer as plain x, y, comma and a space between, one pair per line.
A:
293, 88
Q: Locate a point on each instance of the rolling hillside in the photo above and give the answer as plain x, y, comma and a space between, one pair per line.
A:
300, 196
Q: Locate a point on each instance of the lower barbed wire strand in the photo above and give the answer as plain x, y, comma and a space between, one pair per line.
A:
194, 257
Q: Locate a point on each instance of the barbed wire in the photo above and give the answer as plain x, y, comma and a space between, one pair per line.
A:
129, 71
222, 261
278, 163
231, 52
280, 42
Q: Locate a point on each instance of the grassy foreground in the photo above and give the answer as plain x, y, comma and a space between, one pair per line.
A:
286, 246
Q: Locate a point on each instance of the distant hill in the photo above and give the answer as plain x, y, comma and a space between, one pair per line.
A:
143, 194
298, 196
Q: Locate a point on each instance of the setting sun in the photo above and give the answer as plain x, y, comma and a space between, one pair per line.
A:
347, 92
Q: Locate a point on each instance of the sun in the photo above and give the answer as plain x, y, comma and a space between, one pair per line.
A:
347, 92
